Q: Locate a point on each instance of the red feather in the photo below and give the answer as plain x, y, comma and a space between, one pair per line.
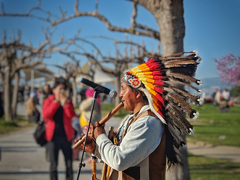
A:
160, 98
158, 89
159, 83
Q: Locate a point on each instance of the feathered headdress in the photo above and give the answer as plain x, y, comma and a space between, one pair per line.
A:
161, 79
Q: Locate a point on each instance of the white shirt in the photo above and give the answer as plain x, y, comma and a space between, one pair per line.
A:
225, 95
142, 138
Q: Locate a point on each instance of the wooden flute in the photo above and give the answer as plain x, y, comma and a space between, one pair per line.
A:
102, 121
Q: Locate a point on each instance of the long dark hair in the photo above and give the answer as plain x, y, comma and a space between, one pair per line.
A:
60, 80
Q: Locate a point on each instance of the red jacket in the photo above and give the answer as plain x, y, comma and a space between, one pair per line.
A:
49, 109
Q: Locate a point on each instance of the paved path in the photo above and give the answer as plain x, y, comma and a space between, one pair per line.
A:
23, 159
213, 151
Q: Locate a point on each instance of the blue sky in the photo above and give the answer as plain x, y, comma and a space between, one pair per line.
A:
212, 27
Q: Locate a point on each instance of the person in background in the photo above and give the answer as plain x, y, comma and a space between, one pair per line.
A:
58, 112
218, 97
226, 95
224, 106
85, 113
33, 113
78, 132
82, 94
1, 104
34, 90
28, 90
213, 97
46, 91
21, 90
85, 109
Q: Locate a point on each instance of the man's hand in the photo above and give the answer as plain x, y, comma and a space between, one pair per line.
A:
99, 129
90, 145
93, 133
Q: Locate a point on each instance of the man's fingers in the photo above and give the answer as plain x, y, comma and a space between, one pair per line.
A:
98, 125
76, 140
91, 126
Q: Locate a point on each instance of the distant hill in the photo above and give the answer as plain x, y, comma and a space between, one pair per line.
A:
210, 84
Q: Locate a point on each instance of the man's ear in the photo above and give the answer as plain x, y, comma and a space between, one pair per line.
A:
138, 94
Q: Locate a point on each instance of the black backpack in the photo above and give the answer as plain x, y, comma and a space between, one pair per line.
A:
39, 134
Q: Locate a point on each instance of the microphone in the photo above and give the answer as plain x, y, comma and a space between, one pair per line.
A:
99, 88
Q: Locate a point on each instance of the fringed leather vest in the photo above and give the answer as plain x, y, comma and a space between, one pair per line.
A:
151, 168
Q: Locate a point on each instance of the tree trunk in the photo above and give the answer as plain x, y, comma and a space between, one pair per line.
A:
7, 93
15, 94
169, 16
172, 31
171, 25
117, 85
74, 88
170, 20
180, 172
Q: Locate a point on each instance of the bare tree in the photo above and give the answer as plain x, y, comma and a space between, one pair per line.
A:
168, 15
16, 56
118, 63
72, 69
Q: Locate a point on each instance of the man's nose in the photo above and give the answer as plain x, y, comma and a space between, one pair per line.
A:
120, 95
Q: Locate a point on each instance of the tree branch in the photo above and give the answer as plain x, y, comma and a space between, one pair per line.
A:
144, 30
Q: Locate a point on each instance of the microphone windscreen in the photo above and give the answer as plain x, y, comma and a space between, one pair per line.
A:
113, 94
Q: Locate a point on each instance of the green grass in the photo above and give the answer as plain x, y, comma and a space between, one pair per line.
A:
220, 128
106, 108
16, 124
202, 168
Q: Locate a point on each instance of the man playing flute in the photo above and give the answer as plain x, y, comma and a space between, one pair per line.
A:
149, 138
